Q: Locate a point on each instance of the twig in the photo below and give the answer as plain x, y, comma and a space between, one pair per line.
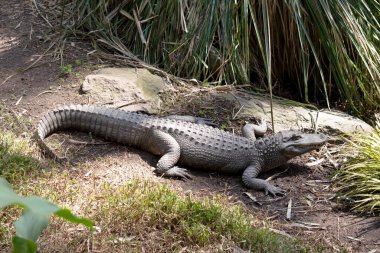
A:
18, 25
253, 198
86, 142
276, 175
233, 117
289, 210
39, 58
281, 232
31, 32
21, 124
354, 239
46, 91
319, 161
18, 101
6, 79
131, 103
310, 226
42, 16
138, 24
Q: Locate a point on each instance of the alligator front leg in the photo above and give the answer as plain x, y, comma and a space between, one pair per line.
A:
252, 131
169, 147
250, 180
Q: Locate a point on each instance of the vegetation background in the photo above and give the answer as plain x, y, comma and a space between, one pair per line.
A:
316, 51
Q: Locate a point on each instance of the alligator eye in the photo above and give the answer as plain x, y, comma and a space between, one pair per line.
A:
295, 137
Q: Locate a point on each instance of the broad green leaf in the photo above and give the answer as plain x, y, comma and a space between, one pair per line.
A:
21, 245
31, 224
7, 195
34, 218
39, 205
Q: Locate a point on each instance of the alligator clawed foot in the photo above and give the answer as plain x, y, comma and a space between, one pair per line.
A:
273, 190
178, 172
205, 121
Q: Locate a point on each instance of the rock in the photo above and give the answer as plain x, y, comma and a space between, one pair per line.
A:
291, 115
139, 89
126, 88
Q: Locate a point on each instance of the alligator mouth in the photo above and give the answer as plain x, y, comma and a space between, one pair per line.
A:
294, 150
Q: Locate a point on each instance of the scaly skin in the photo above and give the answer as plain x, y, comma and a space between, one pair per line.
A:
189, 144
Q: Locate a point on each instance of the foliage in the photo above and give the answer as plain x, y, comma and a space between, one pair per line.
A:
321, 48
34, 218
358, 182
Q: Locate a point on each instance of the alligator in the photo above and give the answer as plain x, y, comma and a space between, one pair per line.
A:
180, 140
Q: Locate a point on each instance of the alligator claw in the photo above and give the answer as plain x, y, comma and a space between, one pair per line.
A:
273, 190
205, 121
178, 172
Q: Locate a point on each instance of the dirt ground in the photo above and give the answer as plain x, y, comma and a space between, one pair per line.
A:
315, 216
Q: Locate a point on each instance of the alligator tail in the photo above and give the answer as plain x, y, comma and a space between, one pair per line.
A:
63, 118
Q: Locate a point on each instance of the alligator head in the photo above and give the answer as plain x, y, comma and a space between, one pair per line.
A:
279, 148
295, 143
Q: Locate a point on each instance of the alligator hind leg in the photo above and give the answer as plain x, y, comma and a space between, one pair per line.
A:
165, 144
252, 131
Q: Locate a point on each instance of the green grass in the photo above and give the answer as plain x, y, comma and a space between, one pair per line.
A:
319, 50
149, 208
16, 159
18, 156
358, 182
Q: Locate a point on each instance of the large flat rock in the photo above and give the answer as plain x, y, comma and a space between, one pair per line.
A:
138, 89
127, 88
289, 115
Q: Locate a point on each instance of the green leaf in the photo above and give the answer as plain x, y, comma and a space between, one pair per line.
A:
7, 195
35, 216
31, 224
68, 215
21, 245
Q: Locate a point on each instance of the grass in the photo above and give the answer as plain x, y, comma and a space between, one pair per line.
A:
156, 212
358, 182
320, 51
15, 157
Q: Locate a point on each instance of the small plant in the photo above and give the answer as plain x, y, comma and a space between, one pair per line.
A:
34, 218
67, 69
78, 62
358, 182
